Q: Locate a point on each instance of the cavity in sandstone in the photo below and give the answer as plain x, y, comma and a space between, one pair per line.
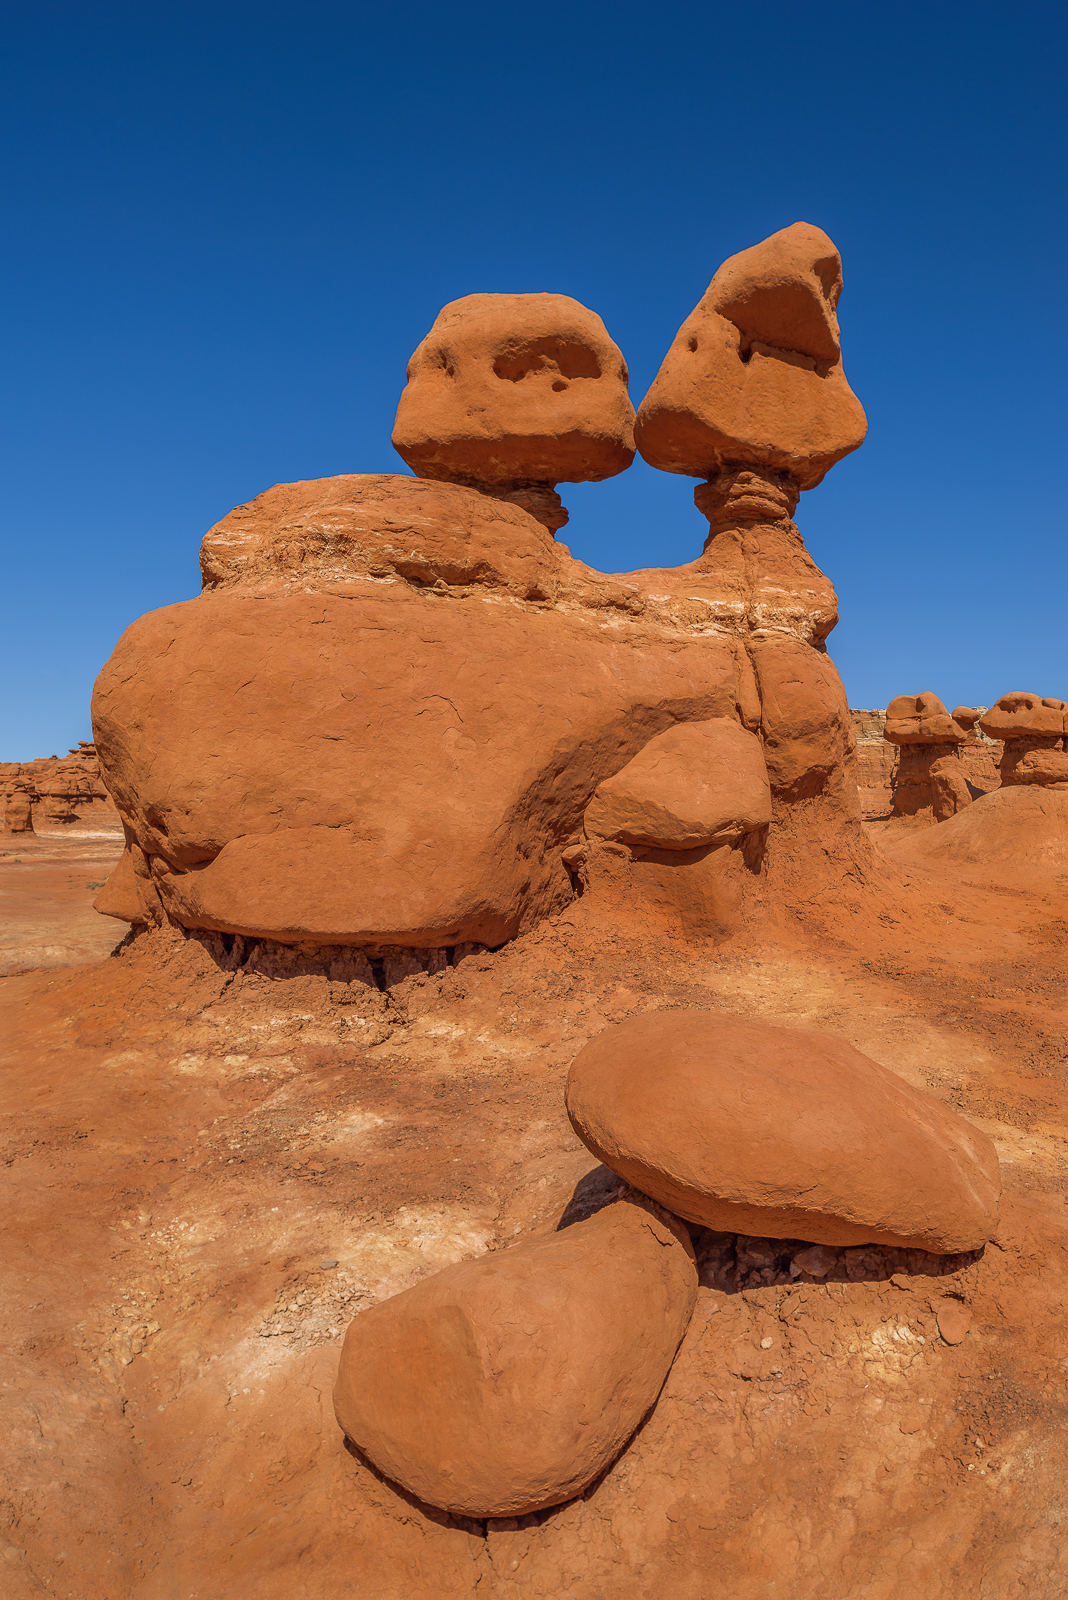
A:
514, 393
751, 394
502, 1386
781, 1133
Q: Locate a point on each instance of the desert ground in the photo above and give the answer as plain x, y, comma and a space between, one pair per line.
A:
210, 1173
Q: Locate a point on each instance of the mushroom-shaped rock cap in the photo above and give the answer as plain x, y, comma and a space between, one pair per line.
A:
755, 372
781, 1133
921, 719
1024, 716
513, 388
967, 716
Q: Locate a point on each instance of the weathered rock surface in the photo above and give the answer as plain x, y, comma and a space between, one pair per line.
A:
754, 375
384, 719
1022, 716
877, 763
508, 391
1034, 748
921, 719
782, 1133
507, 1384
696, 784
944, 763
55, 791
1016, 830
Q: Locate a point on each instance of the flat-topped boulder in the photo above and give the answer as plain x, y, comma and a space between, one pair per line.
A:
781, 1133
501, 1386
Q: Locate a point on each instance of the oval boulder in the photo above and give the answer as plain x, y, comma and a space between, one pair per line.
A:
781, 1133
504, 1385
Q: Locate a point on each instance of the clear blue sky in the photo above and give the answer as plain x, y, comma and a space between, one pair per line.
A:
226, 226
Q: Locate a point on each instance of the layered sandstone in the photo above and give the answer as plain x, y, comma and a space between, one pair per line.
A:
54, 792
877, 762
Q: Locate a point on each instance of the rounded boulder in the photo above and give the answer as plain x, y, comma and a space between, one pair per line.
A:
504, 1385
781, 1133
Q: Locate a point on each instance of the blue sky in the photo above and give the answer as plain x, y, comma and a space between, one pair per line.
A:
228, 225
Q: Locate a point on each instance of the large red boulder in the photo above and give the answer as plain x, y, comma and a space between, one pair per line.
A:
504, 1385
781, 1133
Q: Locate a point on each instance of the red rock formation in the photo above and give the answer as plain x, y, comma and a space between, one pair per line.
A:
1035, 749
754, 376
781, 1133
944, 763
385, 718
877, 762
502, 1386
514, 393
55, 791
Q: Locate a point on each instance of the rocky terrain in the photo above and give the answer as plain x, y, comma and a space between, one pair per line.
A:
532, 1137
56, 792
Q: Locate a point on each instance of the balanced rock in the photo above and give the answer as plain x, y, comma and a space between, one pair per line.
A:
931, 774
921, 719
1034, 747
781, 1133
383, 722
512, 392
504, 1385
754, 376
699, 783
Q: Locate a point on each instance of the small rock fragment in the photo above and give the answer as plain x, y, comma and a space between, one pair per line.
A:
954, 1321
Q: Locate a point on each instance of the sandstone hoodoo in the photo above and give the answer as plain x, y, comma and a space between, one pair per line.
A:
781, 1133
754, 380
514, 393
944, 763
505, 1385
402, 717
929, 776
1033, 731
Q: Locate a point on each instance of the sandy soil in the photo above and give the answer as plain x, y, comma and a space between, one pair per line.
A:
188, 1148
47, 884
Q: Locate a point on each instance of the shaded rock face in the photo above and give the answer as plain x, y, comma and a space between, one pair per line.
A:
514, 393
1033, 731
55, 791
385, 718
502, 1386
781, 1133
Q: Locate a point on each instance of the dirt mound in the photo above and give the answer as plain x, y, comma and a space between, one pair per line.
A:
1022, 829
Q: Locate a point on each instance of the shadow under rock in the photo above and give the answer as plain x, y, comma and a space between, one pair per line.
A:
731, 1262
